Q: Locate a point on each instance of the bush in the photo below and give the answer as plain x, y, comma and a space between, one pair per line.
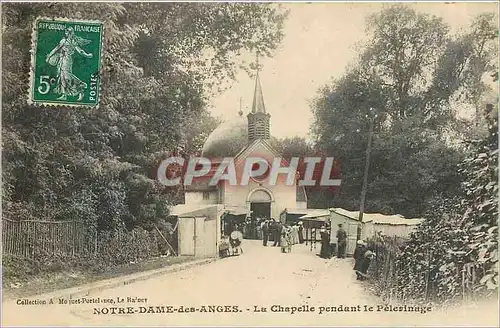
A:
125, 247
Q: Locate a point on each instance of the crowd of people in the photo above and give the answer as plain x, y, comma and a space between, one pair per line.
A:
282, 235
285, 236
363, 255
327, 248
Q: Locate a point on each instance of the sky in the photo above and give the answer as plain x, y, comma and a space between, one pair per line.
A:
321, 41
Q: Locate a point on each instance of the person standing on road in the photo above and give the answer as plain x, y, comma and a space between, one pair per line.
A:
289, 237
301, 232
325, 243
265, 232
295, 234
277, 233
284, 239
341, 242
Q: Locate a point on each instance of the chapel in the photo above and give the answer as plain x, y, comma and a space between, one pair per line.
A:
242, 137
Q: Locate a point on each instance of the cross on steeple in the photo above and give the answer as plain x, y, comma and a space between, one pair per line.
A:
258, 97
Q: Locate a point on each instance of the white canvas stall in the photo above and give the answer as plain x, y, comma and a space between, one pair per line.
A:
198, 229
373, 223
210, 238
186, 235
199, 237
350, 225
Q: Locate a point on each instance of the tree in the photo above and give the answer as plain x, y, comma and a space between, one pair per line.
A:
416, 76
480, 206
292, 147
99, 165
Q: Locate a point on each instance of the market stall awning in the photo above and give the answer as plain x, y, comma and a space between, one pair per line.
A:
237, 210
185, 210
317, 214
378, 218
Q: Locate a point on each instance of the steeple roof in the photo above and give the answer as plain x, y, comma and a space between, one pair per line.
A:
258, 98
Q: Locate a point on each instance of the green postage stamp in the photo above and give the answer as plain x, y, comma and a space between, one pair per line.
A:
65, 62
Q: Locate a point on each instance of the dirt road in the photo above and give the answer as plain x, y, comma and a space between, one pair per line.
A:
260, 287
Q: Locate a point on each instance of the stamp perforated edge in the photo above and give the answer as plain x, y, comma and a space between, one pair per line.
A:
34, 42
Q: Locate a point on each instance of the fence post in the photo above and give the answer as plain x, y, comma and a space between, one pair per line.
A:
462, 272
34, 241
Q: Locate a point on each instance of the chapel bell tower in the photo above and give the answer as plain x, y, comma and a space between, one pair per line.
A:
258, 118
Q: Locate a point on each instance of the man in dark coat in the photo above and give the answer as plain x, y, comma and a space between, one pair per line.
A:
277, 227
265, 232
341, 242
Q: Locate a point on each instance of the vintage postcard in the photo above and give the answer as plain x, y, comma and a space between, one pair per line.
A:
258, 164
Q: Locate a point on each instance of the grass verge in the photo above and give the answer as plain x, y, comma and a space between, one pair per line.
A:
23, 278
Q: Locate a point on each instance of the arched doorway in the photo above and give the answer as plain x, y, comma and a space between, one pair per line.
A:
260, 200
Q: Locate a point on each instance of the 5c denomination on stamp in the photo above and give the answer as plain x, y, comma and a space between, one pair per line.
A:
65, 62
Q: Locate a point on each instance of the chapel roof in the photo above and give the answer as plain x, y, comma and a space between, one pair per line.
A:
227, 139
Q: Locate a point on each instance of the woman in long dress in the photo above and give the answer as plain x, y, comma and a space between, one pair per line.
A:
358, 255
325, 243
284, 239
67, 84
301, 232
289, 235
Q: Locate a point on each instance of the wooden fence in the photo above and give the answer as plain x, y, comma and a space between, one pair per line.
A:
32, 239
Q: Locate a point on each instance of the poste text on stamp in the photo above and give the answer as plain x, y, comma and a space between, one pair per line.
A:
65, 62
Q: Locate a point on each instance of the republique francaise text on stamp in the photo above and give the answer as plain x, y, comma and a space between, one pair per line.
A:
65, 62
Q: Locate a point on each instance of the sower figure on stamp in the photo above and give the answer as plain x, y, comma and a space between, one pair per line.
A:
67, 84
341, 242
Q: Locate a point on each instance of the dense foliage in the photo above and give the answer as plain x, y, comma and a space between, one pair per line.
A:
417, 77
456, 232
415, 80
161, 63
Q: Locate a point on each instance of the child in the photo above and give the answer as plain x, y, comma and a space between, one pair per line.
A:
224, 248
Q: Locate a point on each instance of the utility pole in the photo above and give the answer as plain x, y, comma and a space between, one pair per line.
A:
365, 175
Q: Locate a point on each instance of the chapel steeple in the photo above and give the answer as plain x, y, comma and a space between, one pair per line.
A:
258, 118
